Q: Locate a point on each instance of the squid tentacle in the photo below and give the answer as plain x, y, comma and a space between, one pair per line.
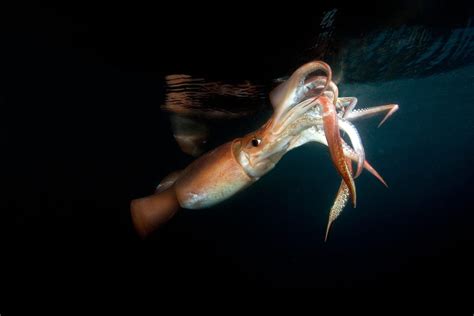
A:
343, 193
290, 93
356, 141
334, 140
295, 114
339, 203
369, 112
350, 153
348, 104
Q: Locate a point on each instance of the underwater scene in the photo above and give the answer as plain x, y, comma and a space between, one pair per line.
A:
329, 147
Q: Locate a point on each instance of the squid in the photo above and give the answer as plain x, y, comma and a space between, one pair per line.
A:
306, 108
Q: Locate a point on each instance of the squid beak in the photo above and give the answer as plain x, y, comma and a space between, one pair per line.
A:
333, 137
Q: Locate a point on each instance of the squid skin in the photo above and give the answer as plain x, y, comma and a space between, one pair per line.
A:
210, 179
305, 109
331, 130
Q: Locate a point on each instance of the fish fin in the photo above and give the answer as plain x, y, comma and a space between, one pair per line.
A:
168, 181
191, 134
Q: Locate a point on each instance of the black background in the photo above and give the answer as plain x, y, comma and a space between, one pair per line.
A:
82, 134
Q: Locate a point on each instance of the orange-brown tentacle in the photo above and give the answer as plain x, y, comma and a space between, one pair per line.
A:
333, 137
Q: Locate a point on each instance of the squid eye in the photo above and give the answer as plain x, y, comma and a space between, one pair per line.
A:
256, 142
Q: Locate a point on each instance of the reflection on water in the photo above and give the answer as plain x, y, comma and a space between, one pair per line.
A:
194, 103
389, 52
211, 99
407, 51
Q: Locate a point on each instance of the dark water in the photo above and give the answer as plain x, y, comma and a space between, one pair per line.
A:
82, 134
